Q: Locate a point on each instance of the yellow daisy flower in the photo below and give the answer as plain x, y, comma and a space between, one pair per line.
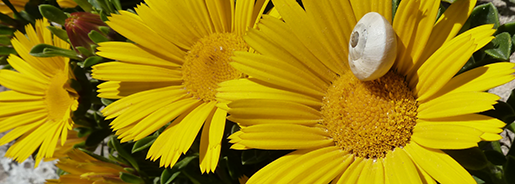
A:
182, 51
38, 109
82, 168
19, 5
302, 96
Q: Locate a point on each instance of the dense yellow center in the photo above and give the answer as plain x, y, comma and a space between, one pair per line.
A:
369, 118
207, 64
59, 99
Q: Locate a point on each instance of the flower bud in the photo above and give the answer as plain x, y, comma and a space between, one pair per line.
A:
80, 24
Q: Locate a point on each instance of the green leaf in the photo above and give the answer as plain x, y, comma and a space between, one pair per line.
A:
169, 175
500, 47
84, 51
104, 29
143, 143
509, 169
53, 13
130, 178
254, 156
495, 157
44, 50
7, 50
124, 154
97, 37
5, 40
116, 4
472, 158
61, 33
84, 4
4, 30
90, 61
482, 14
106, 101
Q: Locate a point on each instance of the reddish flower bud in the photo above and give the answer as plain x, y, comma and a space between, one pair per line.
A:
79, 25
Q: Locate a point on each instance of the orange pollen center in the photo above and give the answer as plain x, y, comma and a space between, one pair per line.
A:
207, 64
60, 98
369, 118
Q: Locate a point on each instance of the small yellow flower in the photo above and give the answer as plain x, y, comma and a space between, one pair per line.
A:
302, 96
181, 51
81, 168
38, 109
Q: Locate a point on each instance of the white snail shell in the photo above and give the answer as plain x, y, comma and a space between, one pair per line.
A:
372, 47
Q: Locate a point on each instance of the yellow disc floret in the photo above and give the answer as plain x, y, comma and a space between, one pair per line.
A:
60, 97
369, 118
207, 64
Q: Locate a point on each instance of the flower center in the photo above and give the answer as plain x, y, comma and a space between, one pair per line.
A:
60, 98
369, 118
207, 64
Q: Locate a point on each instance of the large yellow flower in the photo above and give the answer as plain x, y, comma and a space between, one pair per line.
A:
38, 109
302, 96
182, 51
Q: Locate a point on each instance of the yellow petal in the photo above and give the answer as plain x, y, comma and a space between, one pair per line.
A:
311, 35
210, 141
455, 104
477, 121
273, 110
413, 24
400, 168
353, 172
278, 73
275, 39
448, 25
117, 89
281, 136
441, 136
479, 79
448, 60
117, 71
247, 89
133, 28
132, 53
272, 170
438, 165
21, 83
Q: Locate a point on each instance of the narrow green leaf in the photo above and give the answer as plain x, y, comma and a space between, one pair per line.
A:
143, 143
45, 50
167, 176
116, 3
5, 51
5, 40
53, 13
61, 33
84, 4
130, 178
97, 37
106, 101
84, 51
124, 154
4, 30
